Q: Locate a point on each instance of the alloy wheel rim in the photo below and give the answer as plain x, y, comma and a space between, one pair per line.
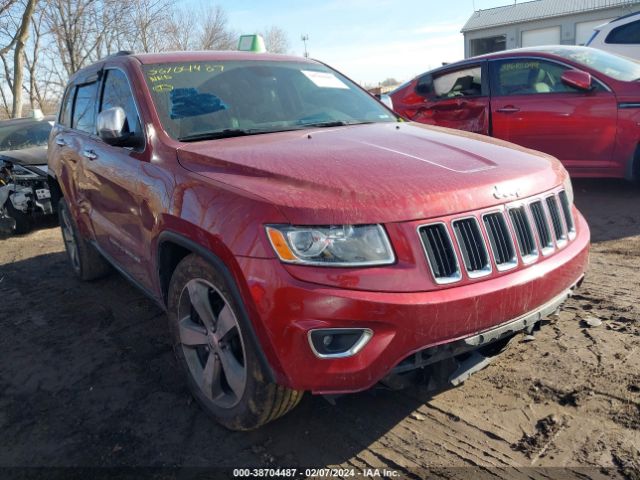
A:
70, 240
212, 343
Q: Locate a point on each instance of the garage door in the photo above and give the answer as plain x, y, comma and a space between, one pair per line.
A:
541, 36
584, 30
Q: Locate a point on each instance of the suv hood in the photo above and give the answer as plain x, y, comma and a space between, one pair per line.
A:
377, 173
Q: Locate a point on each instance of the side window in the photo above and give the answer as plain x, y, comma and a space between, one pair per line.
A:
65, 112
461, 83
528, 76
625, 34
84, 108
116, 93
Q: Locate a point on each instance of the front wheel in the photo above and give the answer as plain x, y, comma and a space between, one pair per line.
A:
213, 347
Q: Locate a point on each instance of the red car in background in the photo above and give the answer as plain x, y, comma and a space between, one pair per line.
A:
579, 104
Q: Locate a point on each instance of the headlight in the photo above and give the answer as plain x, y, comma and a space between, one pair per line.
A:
335, 246
568, 187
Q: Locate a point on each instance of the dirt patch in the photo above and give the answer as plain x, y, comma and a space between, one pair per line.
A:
536, 444
88, 379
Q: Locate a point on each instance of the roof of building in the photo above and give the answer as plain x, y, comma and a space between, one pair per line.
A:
536, 10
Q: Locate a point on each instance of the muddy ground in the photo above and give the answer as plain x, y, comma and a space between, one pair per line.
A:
88, 378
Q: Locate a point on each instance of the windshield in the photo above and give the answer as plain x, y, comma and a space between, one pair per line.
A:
614, 66
203, 100
24, 135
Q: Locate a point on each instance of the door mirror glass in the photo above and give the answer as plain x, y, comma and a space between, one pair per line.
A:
112, 129
577, 79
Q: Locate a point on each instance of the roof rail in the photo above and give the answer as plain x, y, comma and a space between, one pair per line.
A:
121, 53
624, 16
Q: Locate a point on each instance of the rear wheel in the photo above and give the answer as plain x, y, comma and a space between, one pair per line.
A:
85, 260
213, 347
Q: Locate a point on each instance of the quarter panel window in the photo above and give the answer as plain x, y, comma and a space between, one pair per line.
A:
625, 34
84, 109
461, 83
117, 93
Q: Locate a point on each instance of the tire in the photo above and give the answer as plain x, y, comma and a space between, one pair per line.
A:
22, 220
217, 354
84, 259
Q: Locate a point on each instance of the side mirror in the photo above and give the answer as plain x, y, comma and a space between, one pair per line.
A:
111, 128
577, 79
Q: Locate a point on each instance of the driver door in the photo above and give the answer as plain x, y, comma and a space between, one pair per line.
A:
532, 107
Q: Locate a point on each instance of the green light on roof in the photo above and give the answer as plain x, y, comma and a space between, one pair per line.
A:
251, 43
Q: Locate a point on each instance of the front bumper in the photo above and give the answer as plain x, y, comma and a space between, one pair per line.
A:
286, 309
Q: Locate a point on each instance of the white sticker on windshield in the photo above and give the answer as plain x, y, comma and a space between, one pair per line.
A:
325, 79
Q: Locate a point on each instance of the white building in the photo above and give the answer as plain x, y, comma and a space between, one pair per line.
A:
539, 22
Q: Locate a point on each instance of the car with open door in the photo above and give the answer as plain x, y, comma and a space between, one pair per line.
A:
579, 104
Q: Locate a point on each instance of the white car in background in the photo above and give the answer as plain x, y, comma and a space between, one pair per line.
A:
620, 36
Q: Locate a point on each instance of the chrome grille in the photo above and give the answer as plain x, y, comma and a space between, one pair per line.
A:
566, 210
524, 235
500, 240
440, 253
556, 221
550, 216
474, 253
542, 226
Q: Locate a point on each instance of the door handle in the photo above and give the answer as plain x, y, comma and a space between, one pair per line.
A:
508, 109
90, 154
61, 141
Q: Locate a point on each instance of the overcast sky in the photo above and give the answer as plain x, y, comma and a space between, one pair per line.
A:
368, 40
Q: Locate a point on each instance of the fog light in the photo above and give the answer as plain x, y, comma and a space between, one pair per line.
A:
338, 342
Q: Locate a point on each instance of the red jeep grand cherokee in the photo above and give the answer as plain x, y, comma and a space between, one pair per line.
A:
298, 234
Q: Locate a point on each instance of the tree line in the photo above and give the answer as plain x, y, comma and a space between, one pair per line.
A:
43, 42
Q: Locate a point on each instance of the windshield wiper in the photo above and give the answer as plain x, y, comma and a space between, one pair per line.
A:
335, 123
227, 133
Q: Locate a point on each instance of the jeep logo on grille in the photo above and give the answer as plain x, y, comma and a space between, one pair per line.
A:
506, 192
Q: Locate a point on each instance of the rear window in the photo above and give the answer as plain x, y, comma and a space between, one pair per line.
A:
84, 109
628, 34
67, 105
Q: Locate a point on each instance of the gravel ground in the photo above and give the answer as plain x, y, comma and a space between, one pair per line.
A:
88, 379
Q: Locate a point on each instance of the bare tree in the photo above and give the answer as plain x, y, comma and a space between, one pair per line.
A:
276, 40
215, 34
206, 29
149, 19
49, 40
180, 30
16, 20
86, 30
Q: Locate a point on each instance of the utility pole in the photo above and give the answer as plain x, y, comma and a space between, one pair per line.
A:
305, 39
